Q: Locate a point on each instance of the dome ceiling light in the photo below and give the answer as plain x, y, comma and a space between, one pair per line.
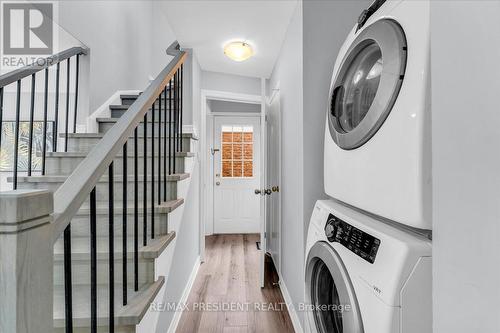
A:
238, 51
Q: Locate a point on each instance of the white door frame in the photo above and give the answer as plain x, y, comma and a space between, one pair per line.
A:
206, 188
276, 92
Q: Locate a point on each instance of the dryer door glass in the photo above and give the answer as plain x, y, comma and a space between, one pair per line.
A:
359, 87
330, 294
326, 300
366, 83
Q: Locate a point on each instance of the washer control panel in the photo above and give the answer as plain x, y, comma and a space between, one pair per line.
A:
357, 241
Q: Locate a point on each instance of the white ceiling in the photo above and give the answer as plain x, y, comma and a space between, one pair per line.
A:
206, 26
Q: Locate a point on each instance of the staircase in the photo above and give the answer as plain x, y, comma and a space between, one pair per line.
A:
115, 191
59, 166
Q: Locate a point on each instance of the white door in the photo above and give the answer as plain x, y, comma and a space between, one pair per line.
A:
273, 179
237, 174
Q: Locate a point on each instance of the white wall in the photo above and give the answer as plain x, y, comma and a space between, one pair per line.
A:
226, 106
288, 72
127, 40
230, 83
466, 164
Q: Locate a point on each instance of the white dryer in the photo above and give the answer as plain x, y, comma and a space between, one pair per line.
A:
364, 276
378, 135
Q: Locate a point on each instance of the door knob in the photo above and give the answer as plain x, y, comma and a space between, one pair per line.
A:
257, 191
217, 183
275, 189
268, 192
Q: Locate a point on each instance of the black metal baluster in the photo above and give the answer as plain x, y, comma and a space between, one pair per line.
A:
68, 293
93, 262
170, 127
159, 150
76, 91
1, 116
136, 213
176, 105
181, 107
165, 147
68, 70
177, 146
153, 173
45, 104
124, 224
111, 249
32, 115
56, 116
16, 134
145, 185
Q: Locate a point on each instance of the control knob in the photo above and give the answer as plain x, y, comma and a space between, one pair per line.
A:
330, 229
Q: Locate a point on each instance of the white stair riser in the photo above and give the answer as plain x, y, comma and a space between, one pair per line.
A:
80, 225
102, 194
83, 144
128, 100
126, 329
66, 165
119, 112
80, 271
104, 126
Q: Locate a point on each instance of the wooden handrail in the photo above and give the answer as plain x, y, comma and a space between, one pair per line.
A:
75, 190
26, 71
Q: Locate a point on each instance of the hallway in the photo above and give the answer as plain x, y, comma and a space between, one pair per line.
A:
230, 274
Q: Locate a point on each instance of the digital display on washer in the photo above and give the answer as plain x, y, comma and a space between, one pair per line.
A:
357, 241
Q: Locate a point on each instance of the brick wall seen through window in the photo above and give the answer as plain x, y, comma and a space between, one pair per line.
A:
237, 151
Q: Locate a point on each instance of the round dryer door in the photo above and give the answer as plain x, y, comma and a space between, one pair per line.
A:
367, 83
333, 304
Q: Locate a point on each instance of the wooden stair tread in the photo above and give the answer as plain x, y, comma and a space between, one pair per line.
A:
169, 206
132, 96
80, 154
129, 96
80, 247
104, 179
100, 135
166, 207
114, 120
131, 314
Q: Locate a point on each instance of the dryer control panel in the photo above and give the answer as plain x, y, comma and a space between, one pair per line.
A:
357, 241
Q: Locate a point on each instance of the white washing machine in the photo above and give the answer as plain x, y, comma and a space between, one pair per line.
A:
364, 276
378, 133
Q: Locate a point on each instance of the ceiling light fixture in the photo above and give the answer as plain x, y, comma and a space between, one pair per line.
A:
238, 51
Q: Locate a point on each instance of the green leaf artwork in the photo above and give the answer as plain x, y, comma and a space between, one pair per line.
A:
7, 148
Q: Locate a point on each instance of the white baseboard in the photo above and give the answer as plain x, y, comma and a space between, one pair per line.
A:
185, 294
297, 326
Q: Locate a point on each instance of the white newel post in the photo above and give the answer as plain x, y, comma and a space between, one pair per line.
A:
26, 257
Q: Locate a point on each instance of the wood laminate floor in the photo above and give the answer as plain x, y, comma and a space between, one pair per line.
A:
227, 286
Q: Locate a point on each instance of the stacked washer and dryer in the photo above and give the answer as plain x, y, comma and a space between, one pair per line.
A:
368, 253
